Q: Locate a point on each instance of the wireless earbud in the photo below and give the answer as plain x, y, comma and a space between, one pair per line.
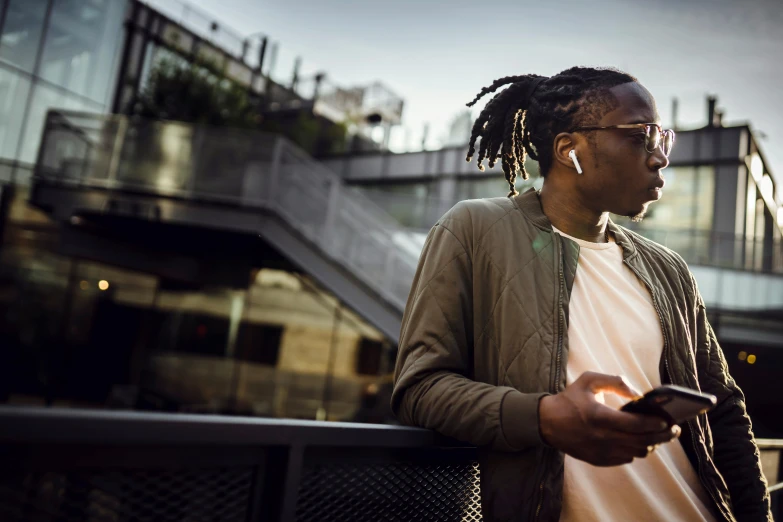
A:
572, 155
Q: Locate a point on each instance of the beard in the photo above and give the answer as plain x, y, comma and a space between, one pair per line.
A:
637, 218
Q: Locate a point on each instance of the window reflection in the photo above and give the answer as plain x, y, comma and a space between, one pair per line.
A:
45, 98
14, 89
412, 204
22, 31
682, 218
82, 42
473, 187
144, 343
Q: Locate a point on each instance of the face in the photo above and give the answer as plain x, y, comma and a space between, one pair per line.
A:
620, 176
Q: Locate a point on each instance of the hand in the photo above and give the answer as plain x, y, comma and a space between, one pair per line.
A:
575, 422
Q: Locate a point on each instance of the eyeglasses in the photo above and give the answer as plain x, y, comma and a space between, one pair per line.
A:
655, 136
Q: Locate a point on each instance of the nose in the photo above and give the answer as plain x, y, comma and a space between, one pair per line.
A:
657, 160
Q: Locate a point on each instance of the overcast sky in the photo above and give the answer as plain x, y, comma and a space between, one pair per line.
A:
437, 55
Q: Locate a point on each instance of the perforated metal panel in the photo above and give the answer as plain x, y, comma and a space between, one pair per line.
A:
208, 495
390, 492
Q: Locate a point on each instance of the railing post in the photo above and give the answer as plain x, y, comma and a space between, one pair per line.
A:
116, 151
291, 480
388, 267
196, 141
38, 167
274, 172
332, 208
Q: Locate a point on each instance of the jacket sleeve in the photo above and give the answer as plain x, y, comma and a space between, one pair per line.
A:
433, 385
736, 453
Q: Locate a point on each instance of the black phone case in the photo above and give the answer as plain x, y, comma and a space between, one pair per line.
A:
655, 402
647, 408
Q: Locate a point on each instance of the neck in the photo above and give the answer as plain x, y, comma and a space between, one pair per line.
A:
568, 213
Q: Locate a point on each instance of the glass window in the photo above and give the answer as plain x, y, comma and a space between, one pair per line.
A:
82, 46
14, 89
45, 98
480, 187
406, 202
475, 188
20, 40
687, 202
6, 172
259, 343
682, 219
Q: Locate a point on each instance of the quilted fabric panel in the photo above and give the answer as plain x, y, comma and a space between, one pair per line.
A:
515, 285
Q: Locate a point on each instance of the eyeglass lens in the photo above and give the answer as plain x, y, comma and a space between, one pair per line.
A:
654, 140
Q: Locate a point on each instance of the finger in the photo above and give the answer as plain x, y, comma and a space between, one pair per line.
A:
650, 449
662, 437
644, 440
599, 382
638, 452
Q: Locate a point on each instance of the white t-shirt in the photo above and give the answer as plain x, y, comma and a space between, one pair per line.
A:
614, 329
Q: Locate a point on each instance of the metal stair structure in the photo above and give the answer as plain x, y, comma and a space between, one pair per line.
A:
259, 184
238, 180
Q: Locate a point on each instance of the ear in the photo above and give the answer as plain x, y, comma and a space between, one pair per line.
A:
564, 143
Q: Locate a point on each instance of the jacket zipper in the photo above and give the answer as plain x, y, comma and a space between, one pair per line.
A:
700, 472
558, 360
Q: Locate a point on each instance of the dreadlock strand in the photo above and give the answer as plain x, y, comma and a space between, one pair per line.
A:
519, 131
492, 154
517, 136
482, 151
475, 132
488, 122
508, 134
510, 176
500, 82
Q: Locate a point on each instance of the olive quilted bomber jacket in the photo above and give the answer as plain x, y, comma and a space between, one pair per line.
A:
485, 336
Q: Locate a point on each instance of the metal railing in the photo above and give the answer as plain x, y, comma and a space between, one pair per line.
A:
74, 464
720, 249
771, 462
239, 167
98, 465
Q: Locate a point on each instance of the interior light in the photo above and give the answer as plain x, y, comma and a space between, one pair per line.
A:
103, 284
83, 285
742, 356
751, 359
780, 217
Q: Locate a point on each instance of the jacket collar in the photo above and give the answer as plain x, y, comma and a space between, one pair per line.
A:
529, 203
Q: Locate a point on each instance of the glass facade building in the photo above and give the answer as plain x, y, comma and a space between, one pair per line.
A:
85, 330
53, 54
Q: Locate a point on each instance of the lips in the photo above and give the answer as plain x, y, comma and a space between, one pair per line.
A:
656, 189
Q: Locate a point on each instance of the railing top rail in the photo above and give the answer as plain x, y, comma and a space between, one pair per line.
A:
767, 444
38, 424
102, 427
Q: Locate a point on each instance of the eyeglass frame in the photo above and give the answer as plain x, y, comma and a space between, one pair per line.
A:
663, 132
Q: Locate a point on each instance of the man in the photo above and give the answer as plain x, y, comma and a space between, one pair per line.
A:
533, 318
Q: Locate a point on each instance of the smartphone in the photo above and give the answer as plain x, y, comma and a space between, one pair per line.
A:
674, 404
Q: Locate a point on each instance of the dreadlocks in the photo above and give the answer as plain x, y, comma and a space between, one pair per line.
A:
524, 118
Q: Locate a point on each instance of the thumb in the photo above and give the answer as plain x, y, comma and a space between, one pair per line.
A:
617, 384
